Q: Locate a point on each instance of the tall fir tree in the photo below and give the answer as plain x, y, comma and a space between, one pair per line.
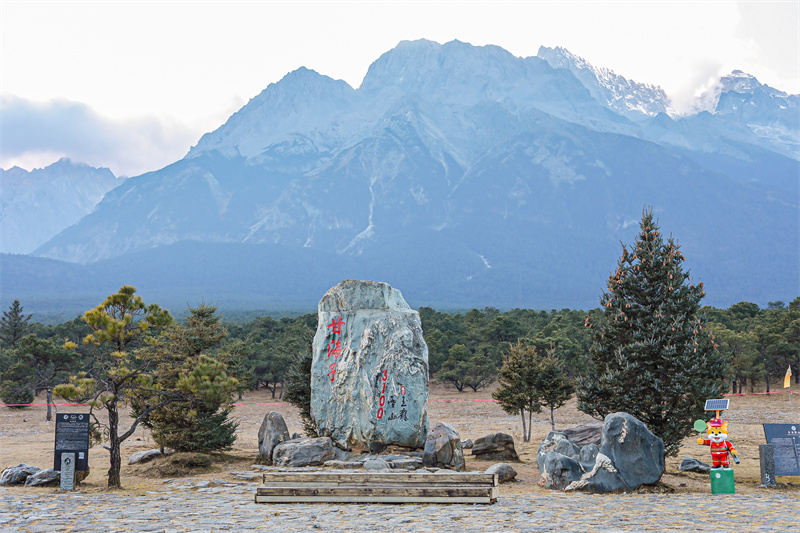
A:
13, 324
187, 365
651, 354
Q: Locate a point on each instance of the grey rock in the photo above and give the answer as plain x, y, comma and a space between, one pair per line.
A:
467, 444
495, 447
272, 432
588, 456
343, 464
584, 434
557, 470
376, 464
17, 475
44, 478
504, 471
304, 452
247, 476
144, 456
629, 455
634, 451
443, 448
369, 375
411, 463
690, 464
296, 436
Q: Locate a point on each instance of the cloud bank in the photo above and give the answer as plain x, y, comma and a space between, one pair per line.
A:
34, 134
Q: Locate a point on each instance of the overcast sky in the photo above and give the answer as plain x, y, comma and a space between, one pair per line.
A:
132, 85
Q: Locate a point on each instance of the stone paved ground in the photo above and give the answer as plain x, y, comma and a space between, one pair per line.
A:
229, 507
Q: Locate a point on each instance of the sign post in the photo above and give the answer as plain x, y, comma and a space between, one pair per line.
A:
785, 438
72, 438
67, 471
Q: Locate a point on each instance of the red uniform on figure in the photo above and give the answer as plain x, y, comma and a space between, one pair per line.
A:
721, 447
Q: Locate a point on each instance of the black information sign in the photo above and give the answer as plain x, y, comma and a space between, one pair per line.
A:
72, 436
786, 440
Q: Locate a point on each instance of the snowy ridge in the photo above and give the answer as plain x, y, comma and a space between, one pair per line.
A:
617, 92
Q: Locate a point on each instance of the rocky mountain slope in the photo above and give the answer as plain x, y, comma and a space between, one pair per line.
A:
464, 176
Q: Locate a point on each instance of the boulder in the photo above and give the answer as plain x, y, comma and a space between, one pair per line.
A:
273, 431
17, 475
467, 444
504, 472
629, 455
443, 448
690, 464
44, 478
144, 456
557, 470
369, 374
376, 464
584, 434
304, 452
495, 447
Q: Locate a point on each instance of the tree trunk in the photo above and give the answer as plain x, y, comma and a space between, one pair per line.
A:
767, 380
740, 386
530, 426
115, 458
49, 404
524, 432
552, 419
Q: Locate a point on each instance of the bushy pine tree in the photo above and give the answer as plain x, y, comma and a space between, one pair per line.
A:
652, 356
532, 376
186, 366
13, 324
298, 390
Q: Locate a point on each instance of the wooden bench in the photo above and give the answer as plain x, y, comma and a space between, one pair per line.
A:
369, 487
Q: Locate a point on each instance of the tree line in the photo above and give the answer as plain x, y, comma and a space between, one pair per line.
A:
650, 350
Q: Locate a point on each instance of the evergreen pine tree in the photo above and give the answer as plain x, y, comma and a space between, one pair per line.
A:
298, 390
13, 324
652, 355
200, 422
518, 392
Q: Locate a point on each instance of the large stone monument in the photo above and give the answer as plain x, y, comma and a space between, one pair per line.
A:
369, 376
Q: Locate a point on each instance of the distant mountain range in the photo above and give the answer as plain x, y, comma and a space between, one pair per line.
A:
37, 205
462, 175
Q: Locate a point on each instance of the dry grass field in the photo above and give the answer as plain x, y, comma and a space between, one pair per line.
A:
25, 437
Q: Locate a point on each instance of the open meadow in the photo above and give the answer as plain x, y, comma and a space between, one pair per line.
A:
25, 437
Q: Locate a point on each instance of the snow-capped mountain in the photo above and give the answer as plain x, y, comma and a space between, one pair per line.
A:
623, 96
37, 205
463, 175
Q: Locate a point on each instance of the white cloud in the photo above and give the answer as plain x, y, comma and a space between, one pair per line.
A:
166, 72
36, 134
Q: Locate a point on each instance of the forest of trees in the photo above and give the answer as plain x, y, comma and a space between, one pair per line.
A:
465, 349
181, 376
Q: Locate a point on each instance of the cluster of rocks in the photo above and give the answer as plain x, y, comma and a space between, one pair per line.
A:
443, 450
30, 476
619, 455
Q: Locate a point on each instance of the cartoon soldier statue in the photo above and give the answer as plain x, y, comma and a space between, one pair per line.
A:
721, 447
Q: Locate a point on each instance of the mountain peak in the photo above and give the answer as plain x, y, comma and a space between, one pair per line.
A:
612, 90
424, 66
301, 102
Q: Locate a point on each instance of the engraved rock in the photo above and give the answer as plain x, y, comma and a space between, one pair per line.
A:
369, 376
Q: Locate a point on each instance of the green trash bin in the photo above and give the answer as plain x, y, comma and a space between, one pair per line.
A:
722, 481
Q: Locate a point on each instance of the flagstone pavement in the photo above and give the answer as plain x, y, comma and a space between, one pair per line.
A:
229, 507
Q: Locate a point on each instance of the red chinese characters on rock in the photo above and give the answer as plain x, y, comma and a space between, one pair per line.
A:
382, 400
392, 401
334, 345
